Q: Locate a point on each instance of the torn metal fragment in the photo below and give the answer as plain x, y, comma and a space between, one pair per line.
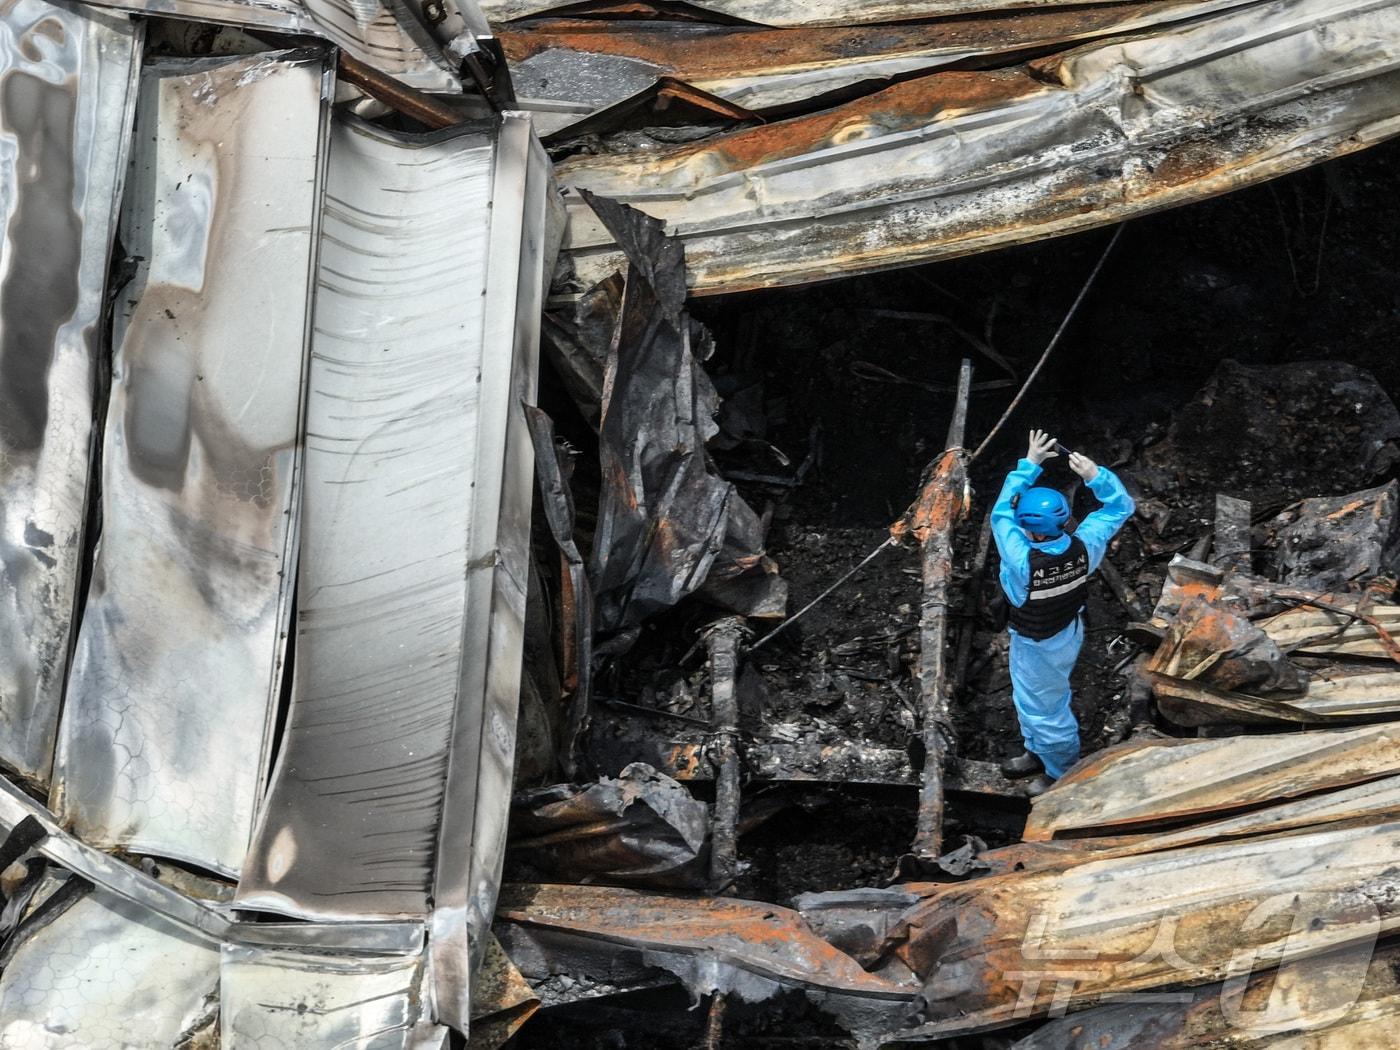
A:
163, 746
67, 93
641, 827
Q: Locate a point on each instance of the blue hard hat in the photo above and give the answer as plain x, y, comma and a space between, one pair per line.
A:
1042, 511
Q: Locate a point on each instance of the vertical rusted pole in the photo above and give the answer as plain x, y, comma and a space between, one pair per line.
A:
722, 638
941, 505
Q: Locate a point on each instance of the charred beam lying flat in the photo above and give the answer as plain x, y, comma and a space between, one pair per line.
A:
164, 741
960, 162
69, 90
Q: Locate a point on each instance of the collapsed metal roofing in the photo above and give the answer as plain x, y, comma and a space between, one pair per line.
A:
265, 537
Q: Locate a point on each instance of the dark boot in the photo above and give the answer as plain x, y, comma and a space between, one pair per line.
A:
1039, 786
1023, 765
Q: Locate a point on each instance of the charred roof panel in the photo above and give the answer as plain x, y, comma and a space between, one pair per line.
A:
959, 162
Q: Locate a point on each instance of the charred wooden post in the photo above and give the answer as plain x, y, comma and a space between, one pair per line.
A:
723, 638
1230, 548
932, 520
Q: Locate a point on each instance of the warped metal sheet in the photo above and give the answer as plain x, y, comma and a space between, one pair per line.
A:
283, 1000
393, 783
1006, 948
1336, 701
383, 35
589, 64
804, 12
958, 162
1348, 1000
164, 738
1160, 780
67, 89
108, 973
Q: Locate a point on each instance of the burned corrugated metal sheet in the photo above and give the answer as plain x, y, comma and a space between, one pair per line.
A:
164, 740
1153, 781
282, 1000
586, 65
67, 90
798, 12
385, 36
1347, 1000
958, 162
393, 782
1007, 948
108, 973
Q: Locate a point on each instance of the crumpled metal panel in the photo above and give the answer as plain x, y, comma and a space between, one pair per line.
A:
284, 1000
1150, 781
393, 783
67, 90
958, 162
383, 35
586, 65
108, 973
1010, 947
164, 739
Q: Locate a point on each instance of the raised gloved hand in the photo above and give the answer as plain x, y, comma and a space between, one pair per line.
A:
1085, 467
1041, 447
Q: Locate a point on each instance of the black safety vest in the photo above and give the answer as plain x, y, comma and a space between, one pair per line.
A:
1059, 590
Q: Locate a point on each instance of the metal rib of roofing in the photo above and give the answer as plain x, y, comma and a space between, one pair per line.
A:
382, 35
163, 745
590, 64
272, 999
803, 12
1158, 780
957, 162
393, 781
67, 89
108, 973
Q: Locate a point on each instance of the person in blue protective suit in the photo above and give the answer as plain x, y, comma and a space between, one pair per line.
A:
1045, 574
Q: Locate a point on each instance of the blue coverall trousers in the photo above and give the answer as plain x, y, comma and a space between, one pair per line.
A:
1040, 688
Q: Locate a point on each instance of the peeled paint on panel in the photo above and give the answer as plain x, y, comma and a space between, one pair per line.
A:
108, 973
965, 161
66, 94
393, 409
383, 36
281, 1000
163, 746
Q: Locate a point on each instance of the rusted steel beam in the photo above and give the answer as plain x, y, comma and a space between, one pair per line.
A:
722, 638
397, 95
935, 515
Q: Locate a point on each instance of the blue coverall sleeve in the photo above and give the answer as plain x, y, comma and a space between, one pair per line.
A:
1012, 543
1103, 524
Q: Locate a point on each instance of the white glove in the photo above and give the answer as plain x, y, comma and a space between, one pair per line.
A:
1085, 467
1041, 447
